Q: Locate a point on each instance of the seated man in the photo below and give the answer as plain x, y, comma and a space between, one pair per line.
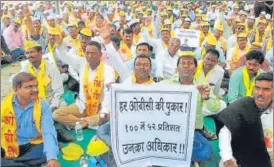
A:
28, 135
14, 38
246, 137
186, 66
242, 80
141, 75
93, 96
48, 76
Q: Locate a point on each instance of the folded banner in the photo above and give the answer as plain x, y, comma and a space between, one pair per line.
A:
152, 125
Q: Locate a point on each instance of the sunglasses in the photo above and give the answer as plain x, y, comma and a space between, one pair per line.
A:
241, 29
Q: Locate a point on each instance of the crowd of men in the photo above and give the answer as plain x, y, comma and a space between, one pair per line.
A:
85, 47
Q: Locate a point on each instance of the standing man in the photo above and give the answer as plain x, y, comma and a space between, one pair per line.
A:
246, 137
28, 136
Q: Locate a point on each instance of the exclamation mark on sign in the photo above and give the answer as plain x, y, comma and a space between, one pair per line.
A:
180, 151
182, 148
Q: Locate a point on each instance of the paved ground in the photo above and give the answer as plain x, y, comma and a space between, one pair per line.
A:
6, 73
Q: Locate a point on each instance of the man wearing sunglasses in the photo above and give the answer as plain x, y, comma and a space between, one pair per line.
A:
240, 27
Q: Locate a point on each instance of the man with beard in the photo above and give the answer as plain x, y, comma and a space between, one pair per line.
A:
242, 81
246, 137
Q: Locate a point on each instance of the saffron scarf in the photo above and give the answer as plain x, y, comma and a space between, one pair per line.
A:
249, 86
9, 126
42, 78
93, 90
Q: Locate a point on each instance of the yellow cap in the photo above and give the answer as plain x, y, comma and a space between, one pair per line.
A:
213, 6
70, 5
169, 8
242, 35
167, 22
211, 40
205, 23
198, 15
219, 27
149, 10
18, 21
237, 20
121, 13
165, 29
182, 9
258, 44
97, 148
53, 31
163, 14
72, 24
243, 13
87, 32
30, 44
5, 16
186, 53
241, 24
72, 152
262, 21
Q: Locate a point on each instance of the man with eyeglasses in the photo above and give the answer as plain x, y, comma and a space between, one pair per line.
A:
28, 134
240, 27
242, 81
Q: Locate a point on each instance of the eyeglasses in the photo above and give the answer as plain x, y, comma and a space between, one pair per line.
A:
241, 29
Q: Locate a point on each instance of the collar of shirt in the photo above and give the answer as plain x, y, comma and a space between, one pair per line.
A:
15, 102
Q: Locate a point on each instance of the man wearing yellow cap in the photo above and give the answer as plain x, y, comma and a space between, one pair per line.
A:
234, 54
28, 134
15, 38
260, 34
258, 47
5, 22
242, 80
212, 14
73, 39
221, 41
48, 76
197, 23
232, 40
188, 62
204, 32
250, 25
52, 24
210, 43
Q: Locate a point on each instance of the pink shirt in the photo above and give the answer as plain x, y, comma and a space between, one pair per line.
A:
14, 39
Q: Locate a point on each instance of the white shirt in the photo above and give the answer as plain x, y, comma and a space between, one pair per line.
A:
231, 42
55, 89
166, 64
79, 63
226, 151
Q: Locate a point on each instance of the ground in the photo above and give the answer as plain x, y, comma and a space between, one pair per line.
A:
6, 73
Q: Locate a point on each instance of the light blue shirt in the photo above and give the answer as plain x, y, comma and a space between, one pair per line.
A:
236, 88
26, 129
130, 66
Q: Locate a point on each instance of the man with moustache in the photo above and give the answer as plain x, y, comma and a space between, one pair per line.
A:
93, 99
28, 135
242, 80
48, 76
247, 135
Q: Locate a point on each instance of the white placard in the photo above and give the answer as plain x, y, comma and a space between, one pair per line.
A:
152, 124
188, 38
